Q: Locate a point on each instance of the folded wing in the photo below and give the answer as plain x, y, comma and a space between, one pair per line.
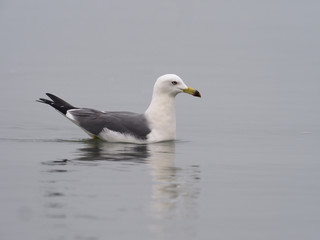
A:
95, 122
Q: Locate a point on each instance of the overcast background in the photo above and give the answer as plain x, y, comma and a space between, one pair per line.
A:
252, 139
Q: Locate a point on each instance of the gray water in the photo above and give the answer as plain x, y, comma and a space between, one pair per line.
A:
246, 161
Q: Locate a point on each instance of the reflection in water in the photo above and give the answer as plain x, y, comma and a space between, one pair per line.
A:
96, 150
174, 189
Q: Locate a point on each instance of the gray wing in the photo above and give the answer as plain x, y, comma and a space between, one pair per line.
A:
95, 121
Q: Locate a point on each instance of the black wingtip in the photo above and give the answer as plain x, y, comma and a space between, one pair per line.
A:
57, 103
50, 95
43, 100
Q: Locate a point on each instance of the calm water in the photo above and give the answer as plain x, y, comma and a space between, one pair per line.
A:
246, 162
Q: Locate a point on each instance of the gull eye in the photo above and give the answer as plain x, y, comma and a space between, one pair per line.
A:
174, 82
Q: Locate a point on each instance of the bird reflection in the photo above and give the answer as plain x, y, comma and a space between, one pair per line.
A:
174, 189
97, 150
172, 186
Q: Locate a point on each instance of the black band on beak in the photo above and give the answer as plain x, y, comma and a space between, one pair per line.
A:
197, 94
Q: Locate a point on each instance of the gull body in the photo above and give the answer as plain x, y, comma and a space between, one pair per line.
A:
157, 124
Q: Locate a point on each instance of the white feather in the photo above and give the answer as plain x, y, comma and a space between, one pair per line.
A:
161, 111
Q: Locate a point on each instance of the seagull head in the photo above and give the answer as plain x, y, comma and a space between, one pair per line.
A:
172, 85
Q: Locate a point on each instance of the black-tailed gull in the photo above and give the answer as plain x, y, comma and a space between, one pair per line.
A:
157, 124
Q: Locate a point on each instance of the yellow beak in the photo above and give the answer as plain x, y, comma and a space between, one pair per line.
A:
192, 91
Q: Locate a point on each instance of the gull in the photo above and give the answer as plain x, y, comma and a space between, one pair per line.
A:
156, 124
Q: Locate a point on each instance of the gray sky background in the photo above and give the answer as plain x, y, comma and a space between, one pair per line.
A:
68, 33
247, 155
243, 56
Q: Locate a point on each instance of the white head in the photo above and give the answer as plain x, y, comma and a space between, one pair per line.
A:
171, 84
